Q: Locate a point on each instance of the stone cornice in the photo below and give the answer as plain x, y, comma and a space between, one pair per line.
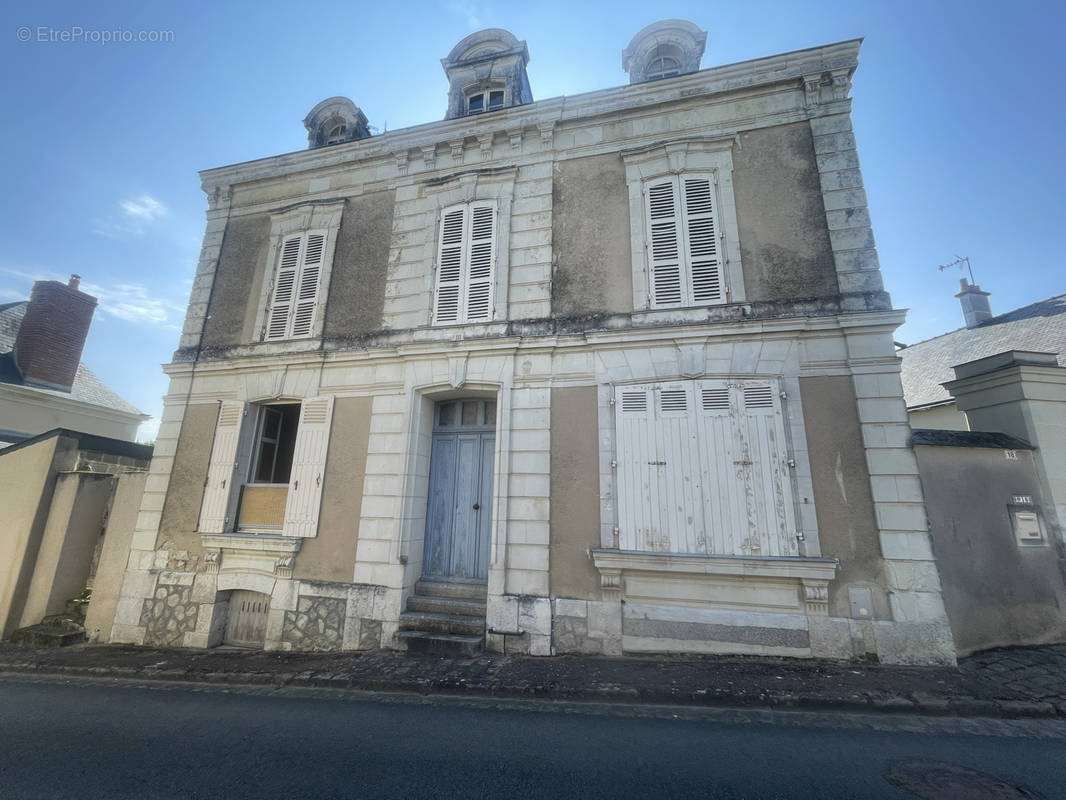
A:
793, 69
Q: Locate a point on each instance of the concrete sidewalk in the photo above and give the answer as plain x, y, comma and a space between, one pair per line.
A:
1006, 683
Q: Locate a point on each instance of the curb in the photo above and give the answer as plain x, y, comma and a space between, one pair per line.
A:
925, 705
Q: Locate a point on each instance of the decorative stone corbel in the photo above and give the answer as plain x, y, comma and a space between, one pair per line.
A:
457, 370
812, 87
691, 359
401, 162
547, 133
841, 83
212, 561
516, 139
816, 598
676, 155
485, 141
457, 147
283, 566
429, 156
611, 585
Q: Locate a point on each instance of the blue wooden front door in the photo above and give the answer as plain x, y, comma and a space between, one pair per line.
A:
459, 508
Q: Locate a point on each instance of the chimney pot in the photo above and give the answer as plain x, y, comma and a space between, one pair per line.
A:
975, 307
75, 281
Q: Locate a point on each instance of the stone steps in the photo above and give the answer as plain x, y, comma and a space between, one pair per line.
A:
444, 618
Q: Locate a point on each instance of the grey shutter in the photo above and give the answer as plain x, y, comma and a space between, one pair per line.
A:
701, 240
481, 262
307, 288
450, 265
664, 252
281, 301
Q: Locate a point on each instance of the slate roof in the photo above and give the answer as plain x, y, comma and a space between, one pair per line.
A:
997, 441
1040, 327
87, 387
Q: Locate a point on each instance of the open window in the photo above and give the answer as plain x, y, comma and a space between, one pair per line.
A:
267, 468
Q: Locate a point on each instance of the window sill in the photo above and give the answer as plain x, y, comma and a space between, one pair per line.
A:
771, 583
247, 552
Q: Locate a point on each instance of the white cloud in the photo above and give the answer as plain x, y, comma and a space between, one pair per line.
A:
144, 207
467, 10
126, 301
134, 214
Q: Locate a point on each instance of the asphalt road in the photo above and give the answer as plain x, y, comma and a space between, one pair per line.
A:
90, 739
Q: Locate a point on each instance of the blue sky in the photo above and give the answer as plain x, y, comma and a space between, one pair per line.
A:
958, 109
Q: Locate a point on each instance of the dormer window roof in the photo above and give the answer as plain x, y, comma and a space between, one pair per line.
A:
335, 121
664, 49
487, 72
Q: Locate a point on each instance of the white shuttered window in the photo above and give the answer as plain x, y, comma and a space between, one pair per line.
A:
308, 468
683, 242
295, 296
466, 264
702, 468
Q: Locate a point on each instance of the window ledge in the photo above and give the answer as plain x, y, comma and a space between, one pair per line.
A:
812, 574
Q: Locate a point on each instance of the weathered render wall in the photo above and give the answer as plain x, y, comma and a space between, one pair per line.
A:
784, 242
575, 503
75, 523
330, 556
360, 263
27, 476
997, 592
238, 282
181, 511
843, 501
590, 237
946, 417
111, 567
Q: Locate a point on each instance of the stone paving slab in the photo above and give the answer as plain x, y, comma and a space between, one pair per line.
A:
1006, 683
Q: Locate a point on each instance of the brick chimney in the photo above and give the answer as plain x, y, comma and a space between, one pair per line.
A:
975, 307
52, 335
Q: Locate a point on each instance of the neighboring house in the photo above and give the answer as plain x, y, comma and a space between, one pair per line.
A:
43, 384
605, 373
987, 404
1040, 327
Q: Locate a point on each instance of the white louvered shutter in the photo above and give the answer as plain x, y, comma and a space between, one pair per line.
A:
664, 240
308, 467
283, 296
770, 512
638, 495
219, 490
724, 489
481, 262
450, 265
303, 316
677, 467
701, 240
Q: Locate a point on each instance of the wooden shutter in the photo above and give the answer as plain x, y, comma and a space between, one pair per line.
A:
281, 301
701, 239
664, 252
303, 316
308, 467
219, 490
481, 262
761, 440
724, 489
638, 495
450, 265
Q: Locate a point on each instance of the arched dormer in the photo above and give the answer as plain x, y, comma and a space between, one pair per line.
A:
335, 121
664, 49
486, 72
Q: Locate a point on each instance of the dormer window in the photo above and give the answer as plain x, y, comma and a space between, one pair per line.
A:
337, 134
484, 101
662, 65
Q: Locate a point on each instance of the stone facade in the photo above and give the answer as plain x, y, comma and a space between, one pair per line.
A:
836, 560
170, 613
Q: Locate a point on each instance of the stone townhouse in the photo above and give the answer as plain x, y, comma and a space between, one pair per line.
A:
604, 373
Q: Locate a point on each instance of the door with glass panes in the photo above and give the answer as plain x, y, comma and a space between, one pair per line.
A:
459, 508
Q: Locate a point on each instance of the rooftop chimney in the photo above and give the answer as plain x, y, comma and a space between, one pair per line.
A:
975, 307
52, 335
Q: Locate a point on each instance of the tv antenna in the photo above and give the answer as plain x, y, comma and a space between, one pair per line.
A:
959, 262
